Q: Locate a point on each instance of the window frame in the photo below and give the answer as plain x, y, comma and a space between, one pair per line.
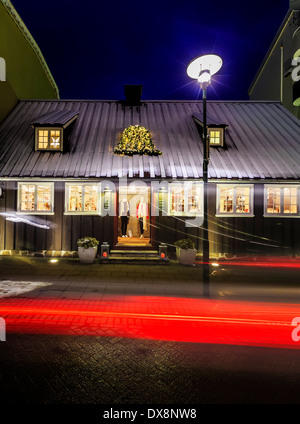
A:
185, 212
221, 130
235, 214
82, 212
48, 148
281, 214
35, 211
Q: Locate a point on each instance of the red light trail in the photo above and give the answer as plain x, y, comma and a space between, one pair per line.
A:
159, 318
263, 262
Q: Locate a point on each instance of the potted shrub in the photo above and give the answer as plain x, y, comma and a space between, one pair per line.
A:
186, 252
87, 249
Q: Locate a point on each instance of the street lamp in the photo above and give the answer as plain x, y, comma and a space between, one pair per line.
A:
202, 68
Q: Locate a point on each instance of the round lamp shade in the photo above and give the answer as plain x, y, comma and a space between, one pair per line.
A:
208, 62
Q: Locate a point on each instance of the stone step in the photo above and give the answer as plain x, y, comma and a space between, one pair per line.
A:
133, 253
136, 260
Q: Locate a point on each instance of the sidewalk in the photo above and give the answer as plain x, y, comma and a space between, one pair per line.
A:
68, 278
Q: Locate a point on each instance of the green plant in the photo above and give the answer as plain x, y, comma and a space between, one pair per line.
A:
87, 242
185, 244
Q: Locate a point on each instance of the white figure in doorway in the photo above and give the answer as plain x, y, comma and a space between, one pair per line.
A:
142, 215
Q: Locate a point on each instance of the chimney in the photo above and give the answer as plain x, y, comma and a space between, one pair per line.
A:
133, 95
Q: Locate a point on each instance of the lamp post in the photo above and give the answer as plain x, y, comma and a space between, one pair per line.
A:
202, 68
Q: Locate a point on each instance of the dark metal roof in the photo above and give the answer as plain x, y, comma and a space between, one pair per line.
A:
262, 141
56, 118
209, 122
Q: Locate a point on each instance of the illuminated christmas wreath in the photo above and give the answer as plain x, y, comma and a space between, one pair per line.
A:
136, 140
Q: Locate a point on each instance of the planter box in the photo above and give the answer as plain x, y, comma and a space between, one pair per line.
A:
87, 256
187, 257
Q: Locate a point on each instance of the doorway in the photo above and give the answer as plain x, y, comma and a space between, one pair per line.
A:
134, 217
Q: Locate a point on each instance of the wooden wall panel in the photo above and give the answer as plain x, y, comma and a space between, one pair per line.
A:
11, 199
56, 232
2, 217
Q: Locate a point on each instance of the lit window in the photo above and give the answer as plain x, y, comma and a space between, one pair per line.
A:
82, 198
54, 139
48, 139
216, 136
290, 197
43, 194
273, 200
90, 198
43, 139
185, 198
226, 199
177, 200
242, 201
234, 199
194, 198
35, 198
281, 200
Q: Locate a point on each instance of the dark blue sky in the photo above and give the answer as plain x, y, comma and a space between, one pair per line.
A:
95, 47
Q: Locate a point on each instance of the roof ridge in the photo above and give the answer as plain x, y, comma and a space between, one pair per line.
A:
147, 101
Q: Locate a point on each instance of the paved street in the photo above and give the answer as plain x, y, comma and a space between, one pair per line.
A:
63, 347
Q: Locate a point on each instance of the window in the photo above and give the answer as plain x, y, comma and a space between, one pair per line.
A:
185, 198
236, 200
281, 200
216, 136
49, 139
82, 198
35, 198
107, 199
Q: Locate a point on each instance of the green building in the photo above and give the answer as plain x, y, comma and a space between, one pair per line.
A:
24, 73
275, 79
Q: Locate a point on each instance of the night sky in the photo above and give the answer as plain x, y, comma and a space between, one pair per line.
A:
95, 47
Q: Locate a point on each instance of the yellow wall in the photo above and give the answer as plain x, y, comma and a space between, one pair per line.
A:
27, 75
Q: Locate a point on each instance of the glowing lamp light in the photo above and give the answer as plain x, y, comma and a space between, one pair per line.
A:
162, 251
203, 67
205, 78
104, 250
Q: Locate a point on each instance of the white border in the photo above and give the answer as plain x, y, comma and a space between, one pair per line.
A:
35, 212
234, 214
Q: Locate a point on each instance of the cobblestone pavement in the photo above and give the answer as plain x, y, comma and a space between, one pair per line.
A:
40, 369
88, 368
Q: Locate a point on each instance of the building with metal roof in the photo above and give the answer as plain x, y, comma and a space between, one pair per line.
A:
61, 179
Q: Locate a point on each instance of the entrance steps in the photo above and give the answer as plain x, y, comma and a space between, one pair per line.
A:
134, 256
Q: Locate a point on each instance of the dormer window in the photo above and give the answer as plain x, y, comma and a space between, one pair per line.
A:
216, 136
49, 139
215, 130
52, 130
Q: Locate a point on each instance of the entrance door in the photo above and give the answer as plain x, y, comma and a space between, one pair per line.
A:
136, 231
